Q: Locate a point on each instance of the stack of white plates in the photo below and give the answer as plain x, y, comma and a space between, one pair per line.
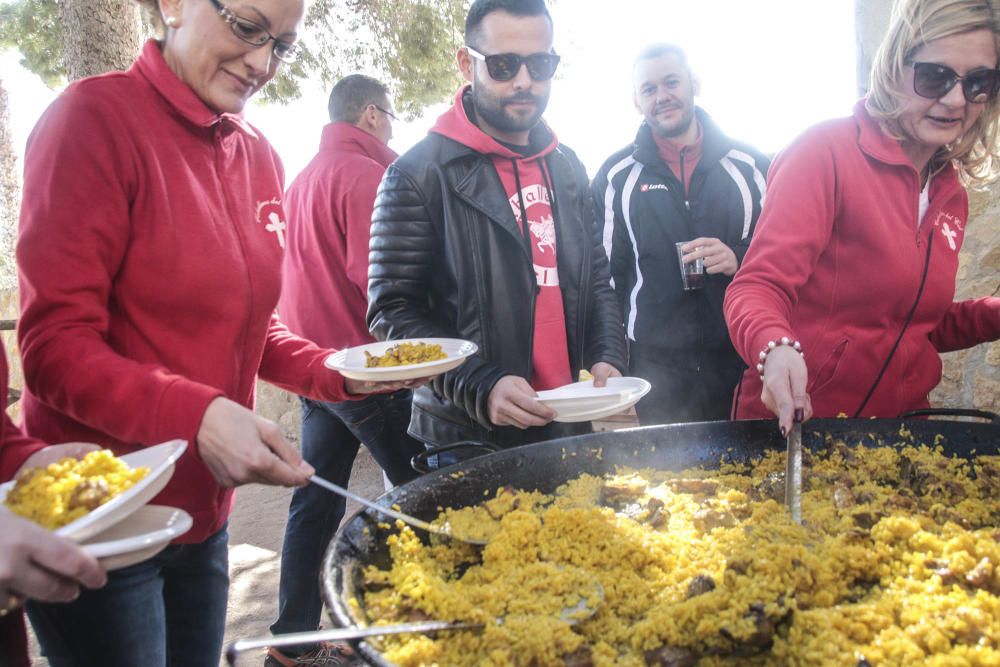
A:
125, 530
582, 401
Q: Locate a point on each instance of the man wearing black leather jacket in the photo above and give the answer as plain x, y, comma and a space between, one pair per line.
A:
485, 231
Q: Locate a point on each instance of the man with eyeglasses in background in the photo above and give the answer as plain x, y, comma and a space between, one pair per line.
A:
324, 298
484, 231
682, 181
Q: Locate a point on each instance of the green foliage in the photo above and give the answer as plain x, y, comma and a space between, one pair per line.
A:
408, 44
34, 28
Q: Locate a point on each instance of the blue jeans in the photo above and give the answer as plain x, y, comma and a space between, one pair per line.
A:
168, 610
331, 436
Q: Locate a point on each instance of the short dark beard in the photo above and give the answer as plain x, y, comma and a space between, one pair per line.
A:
493, 109
678, 129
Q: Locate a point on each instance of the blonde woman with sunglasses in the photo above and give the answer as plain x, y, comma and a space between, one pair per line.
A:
846, 296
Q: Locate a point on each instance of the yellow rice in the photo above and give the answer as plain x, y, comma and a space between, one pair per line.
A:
877, 575
49, 496
405, 354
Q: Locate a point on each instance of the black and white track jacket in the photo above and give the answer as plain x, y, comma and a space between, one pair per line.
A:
642, 212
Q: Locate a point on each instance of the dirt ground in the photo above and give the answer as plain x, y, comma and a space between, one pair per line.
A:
256, 530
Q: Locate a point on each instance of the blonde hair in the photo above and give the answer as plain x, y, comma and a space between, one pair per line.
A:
915, 23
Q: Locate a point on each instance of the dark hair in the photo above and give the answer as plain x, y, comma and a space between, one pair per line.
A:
480, 9
352, 95
663, 49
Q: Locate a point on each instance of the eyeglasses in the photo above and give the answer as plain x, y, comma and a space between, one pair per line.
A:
256, 34
386, 112
505, 66
934, 81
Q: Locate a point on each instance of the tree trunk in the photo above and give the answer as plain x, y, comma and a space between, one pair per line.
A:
9, 196
99, 36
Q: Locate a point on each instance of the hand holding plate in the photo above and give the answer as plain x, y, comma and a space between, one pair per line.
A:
601, 371
513, 402
38, 564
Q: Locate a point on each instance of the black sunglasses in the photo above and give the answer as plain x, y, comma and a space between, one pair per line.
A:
933, 81
505, 66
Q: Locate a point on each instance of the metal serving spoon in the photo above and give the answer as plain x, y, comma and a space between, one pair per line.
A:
405, 518
581, 611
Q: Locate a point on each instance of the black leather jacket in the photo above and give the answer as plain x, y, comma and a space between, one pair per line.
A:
447, 259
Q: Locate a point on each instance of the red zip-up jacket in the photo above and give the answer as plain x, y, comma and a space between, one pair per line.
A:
836, 263
324, 292
149, 253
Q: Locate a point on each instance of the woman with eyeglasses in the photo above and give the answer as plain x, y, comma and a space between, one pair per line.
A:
150, 247
845, 298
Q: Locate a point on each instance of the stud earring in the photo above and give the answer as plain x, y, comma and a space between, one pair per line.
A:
172, 21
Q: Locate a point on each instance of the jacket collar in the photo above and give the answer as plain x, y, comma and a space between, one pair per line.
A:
874, 142
178, 95
352, 139
713, 147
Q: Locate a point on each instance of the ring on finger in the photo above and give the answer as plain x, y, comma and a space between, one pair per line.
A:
11, 603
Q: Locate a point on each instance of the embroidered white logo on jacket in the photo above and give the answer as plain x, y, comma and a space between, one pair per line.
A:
270, 213
646, 187
951, 235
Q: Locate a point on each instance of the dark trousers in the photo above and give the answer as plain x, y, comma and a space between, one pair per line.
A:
167, 611
331, 436
686, 387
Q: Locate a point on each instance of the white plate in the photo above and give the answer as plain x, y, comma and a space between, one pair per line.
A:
582, 401
351, 362
139, 536
159, 459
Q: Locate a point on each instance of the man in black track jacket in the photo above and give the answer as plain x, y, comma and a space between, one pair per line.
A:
682, 180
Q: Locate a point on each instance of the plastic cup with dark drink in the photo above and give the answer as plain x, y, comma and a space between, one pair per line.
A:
692, 273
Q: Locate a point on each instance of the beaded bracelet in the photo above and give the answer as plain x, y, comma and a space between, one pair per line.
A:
773, 344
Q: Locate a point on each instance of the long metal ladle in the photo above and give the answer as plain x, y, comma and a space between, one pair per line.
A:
581, 611
405, 518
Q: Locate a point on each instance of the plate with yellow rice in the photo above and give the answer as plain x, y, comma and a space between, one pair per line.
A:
395, 360
78, 499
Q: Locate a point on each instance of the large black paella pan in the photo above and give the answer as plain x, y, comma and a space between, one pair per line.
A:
361, 540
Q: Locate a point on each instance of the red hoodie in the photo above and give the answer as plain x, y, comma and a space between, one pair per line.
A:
836, 263
149, 254
526, 181
324, 293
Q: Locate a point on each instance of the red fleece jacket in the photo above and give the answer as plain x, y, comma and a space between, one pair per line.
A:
324, 293
525, 180
149, 253
836, 263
